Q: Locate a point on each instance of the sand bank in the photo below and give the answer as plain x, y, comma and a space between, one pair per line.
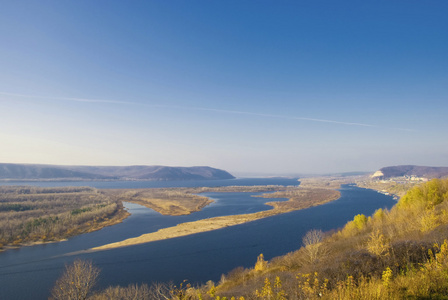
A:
305, 198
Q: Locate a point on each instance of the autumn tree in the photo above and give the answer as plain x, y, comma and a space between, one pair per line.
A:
378, 244
312, 242
77, 281
425, 196
261, 264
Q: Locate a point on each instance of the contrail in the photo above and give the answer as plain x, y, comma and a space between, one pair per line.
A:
66, 99
281, 116
199, 109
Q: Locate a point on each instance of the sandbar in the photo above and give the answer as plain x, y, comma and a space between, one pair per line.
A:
305, 198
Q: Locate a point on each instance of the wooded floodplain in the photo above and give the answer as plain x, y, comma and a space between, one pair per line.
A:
35, 214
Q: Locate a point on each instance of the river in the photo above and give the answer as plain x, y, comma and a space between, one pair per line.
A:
30, 272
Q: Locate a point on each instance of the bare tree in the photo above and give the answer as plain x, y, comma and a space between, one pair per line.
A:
77, 281
157, 291
161, 291
313, 244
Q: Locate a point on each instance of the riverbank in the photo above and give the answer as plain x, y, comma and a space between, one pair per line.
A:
95, 225
387, 187
301, 198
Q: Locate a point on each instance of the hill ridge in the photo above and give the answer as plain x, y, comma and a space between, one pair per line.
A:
411, 170
9, 171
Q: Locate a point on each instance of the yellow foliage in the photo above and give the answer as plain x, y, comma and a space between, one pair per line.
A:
310, 287
267, 292
386, 277
261, 264
353, 227
429, 282
429, 220
378, 244
425, 196
212, 291
360, 221
378, 214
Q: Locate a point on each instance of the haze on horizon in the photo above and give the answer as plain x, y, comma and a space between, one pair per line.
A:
245, 86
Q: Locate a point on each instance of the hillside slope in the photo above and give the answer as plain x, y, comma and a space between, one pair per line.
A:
56, 172
45, 172
411, 170
396, 254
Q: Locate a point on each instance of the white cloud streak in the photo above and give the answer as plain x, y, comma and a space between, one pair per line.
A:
178, 107
280, 116
66, 99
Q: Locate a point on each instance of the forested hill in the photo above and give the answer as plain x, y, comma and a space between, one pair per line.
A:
411, 170
56, 172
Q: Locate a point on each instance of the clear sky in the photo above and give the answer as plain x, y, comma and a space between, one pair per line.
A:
248, 86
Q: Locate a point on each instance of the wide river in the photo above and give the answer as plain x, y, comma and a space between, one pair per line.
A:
30, 272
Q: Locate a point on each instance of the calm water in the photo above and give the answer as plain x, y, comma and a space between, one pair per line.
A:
159, 184
198, 258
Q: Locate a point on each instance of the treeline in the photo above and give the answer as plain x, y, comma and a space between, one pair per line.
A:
400, 253
31, 214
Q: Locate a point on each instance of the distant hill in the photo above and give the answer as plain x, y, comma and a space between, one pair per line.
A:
55, 172
411, 170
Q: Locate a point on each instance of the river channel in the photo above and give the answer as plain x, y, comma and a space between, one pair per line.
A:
30, 272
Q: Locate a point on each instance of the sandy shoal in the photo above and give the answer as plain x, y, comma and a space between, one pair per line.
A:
188, 228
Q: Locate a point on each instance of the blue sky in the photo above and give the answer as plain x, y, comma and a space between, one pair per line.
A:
271, 87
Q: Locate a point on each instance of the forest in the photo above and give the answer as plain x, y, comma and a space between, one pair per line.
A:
35, 214
401, 253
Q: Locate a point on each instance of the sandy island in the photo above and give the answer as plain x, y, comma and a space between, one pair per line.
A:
299, 198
